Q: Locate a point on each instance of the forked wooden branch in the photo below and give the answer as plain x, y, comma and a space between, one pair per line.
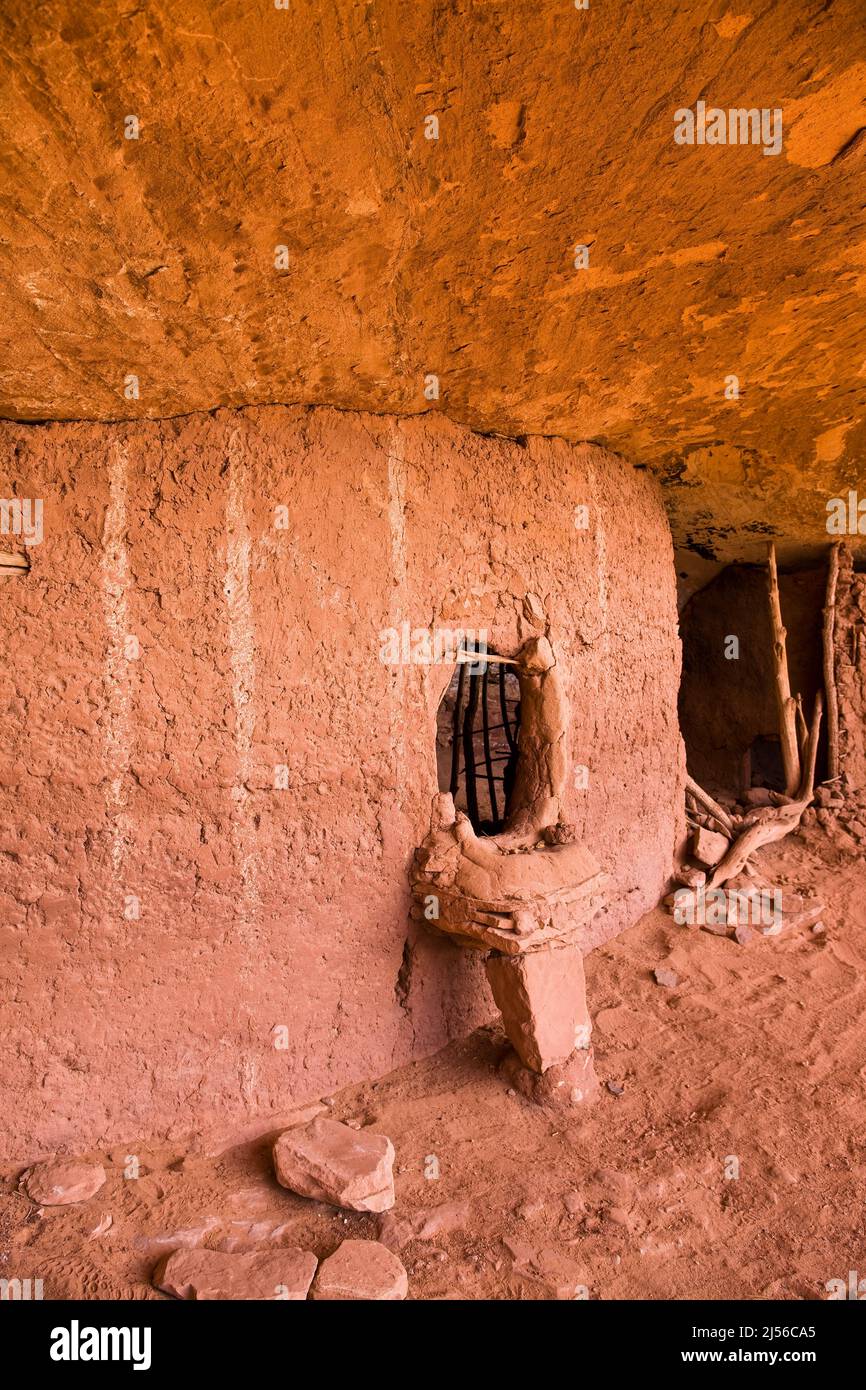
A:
802, 729
718, 812
774, 822
785, 703
807, 785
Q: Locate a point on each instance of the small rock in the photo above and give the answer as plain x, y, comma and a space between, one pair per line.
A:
442, 1220
775, 929
740, 883
207, 1275
395, 1231
574, 1203
665, 976
330, 1162
249, 1235
361, 1269
530, 1211
60, 1182
563, 833
167, 1241
717, 928
743, 933
824, 817
566, 1086
818, 927
682, 906
758, 796
800, 912
708, 847
615, 1088
619, 1216
426, 1224
613, 1186
688, 876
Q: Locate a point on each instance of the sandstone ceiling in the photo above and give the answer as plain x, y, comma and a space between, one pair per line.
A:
305, 128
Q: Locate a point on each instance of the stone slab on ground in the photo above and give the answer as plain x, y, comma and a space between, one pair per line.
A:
331, 1162
59, 1182
361, 1269
206, 1275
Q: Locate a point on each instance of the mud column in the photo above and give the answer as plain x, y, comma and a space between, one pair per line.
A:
541, 995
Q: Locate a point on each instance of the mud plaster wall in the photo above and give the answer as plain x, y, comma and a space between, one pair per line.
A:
152, 777
726, 704
850, 648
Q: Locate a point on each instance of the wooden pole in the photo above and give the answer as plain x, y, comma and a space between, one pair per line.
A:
718, 812
802, 728
807, 786
465, 658
786, 705
13, 564
830, 664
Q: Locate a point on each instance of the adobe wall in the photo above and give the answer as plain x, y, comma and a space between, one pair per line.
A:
850, 650
169, 914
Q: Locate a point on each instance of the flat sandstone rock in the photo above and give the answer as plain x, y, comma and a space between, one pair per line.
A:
60, 1182
361, 1269
331, 1162
207, 1275
709, 847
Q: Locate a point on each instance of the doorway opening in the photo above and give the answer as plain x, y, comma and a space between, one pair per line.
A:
728, 708
477, 735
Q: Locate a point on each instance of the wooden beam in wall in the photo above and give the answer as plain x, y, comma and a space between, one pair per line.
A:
13, 564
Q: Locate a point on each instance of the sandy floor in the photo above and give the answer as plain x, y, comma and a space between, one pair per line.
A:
758, 1055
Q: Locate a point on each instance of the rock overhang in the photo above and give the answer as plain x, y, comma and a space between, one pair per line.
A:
407, 257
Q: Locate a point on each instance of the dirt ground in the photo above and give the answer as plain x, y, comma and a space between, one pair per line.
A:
754, 1063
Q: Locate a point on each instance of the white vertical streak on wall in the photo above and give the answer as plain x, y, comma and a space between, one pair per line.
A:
115, 578
597, 523
241, 634
397, 614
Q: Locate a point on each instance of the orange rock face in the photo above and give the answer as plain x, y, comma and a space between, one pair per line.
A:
332, 204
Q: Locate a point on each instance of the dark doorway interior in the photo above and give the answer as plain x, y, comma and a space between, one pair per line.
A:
476, 741
728, 711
